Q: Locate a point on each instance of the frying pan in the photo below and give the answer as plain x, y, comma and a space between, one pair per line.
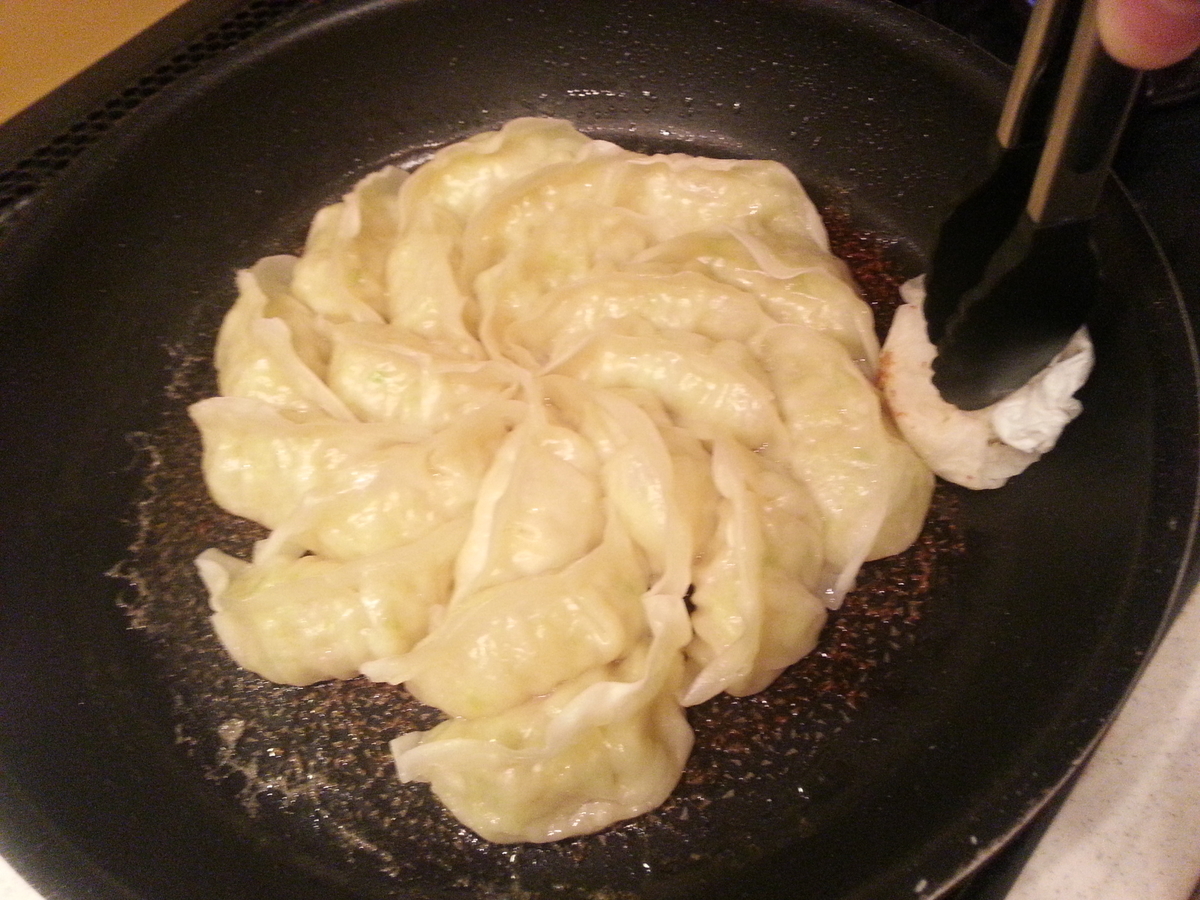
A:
116, 273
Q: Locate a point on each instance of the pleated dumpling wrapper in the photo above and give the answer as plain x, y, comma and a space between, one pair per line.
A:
563, 438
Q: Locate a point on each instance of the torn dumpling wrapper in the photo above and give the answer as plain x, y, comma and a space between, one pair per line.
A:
983, 448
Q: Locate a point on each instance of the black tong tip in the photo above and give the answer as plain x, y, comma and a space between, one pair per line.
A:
1040, 286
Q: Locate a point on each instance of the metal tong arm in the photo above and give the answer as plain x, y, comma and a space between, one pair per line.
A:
1002, 310
1089, 116
1037, 74
985, 216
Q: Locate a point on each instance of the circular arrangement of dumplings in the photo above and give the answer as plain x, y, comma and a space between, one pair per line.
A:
563, 438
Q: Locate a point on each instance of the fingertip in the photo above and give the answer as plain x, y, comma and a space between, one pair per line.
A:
1149, 34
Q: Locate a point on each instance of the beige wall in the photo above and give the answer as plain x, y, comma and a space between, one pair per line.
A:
44, 42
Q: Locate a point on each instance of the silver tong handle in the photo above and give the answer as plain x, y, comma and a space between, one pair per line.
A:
1037, 73
1089, 117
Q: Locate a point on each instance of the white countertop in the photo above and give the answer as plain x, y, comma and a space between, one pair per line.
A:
13, 887
1130, 829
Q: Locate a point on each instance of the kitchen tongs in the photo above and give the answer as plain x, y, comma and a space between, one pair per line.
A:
1014, 274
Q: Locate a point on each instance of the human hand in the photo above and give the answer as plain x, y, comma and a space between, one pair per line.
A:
1149, 34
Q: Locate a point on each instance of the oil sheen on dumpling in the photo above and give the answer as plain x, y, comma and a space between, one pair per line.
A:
563, 438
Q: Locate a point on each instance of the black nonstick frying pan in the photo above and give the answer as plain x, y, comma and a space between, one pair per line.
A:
136, 763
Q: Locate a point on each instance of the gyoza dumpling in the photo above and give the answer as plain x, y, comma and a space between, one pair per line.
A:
404, 491
341, 273
683, 301
275, 349
442, 248
462, 177
606, 746
494, 777
343, 489
500, 646
521, 525
797, 282
425, 296
655, 475
756, 612
680, 194
566, 248
383, 374
543, 589
871, 487
981, 448
259, 464
514, 218
296, 620
710, 388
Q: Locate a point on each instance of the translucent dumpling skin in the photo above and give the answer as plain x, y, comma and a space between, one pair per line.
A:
563, 438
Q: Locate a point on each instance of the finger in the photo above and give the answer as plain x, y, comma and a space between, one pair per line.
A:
1149, 34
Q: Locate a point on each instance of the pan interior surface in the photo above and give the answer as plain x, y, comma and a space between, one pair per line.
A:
115, 281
